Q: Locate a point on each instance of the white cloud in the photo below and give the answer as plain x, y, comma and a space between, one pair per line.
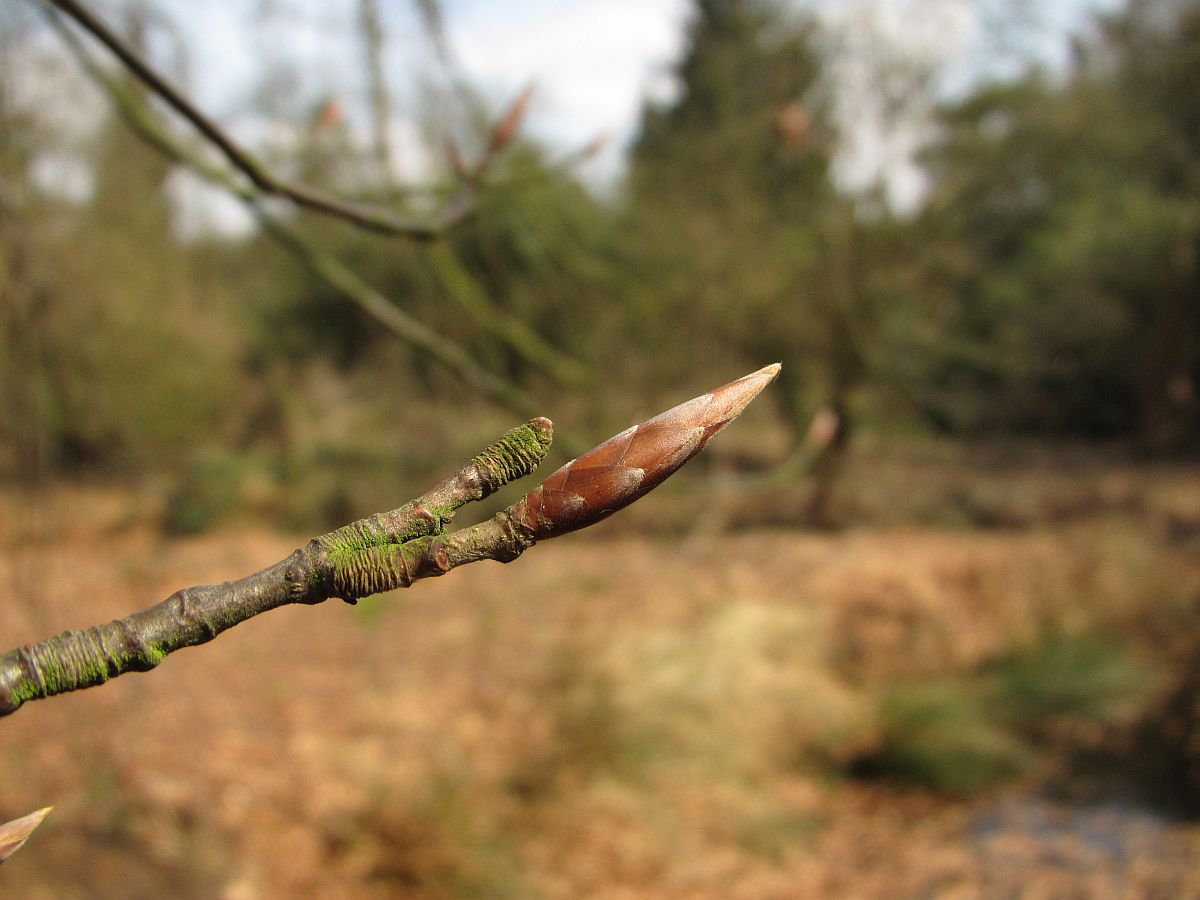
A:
882, 53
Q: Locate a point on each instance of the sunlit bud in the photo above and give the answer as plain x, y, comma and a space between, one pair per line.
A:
507, 128
13, 834
627, 466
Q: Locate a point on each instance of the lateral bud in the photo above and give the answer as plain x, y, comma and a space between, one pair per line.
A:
507, 128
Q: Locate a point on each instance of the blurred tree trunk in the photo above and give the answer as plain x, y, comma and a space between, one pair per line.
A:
25, 394
1166, 382
845, 314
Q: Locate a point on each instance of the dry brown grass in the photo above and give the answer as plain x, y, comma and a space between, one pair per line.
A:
621, 717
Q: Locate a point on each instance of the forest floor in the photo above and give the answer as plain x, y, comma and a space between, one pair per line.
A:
895, 709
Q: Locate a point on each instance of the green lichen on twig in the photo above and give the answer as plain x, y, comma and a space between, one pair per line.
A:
91, 656
389, 550
379, 553
516, 454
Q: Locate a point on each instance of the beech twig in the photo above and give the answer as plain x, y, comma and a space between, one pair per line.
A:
392, 550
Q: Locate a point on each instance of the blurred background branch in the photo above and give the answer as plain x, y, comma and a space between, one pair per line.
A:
373, 219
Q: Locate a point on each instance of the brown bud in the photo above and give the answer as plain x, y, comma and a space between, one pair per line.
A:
793, 124
13, 834
506, 129
329, 116
632, 463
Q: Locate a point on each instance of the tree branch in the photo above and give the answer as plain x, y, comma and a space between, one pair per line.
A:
379, 553
339, 277
392, 550
469, 295
456, 208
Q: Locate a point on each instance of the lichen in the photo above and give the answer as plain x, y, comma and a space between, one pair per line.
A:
357, 572
515, 455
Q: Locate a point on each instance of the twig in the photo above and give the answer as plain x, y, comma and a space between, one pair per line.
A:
392, 550
347, 283
456, 209
379, 553
465, 290
370, 27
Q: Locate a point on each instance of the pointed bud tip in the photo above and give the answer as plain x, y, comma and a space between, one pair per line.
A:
766, 374
13, 834
727, 402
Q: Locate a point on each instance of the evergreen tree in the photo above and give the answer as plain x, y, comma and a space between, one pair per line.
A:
747, 246
1062, 240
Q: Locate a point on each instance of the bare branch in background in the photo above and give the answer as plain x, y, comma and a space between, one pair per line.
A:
434, 24
392, 550
455, 209
455, 279
370, 27
469, 295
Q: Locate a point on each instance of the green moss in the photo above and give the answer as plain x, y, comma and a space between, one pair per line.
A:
154, 655
348, 543
63, 667
23, 690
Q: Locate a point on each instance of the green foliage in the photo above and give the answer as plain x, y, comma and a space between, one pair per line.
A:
967, 734
943, 735
1085, 676
1061, 242
205, 495
113, 358
742, 241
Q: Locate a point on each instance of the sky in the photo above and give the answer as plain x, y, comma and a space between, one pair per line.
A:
596, 61
593, 62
